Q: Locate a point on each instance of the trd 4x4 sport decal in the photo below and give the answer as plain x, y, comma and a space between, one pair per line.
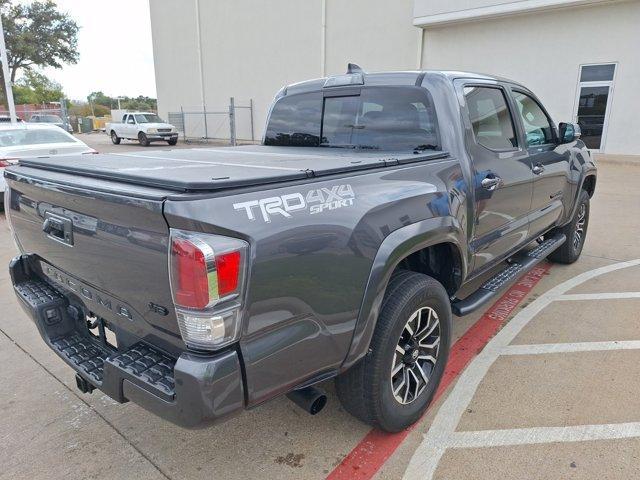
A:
315, 201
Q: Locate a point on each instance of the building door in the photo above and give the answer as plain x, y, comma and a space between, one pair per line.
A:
595, 89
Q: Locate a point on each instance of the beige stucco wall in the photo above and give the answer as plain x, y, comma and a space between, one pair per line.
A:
174, 54
375, 34
251, 48
544, 51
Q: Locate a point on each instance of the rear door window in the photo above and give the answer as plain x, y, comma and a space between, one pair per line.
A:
490, 118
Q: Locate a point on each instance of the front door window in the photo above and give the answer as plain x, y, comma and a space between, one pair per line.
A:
594, 98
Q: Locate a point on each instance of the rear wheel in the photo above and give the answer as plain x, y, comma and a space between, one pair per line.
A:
396, 381
115, 138
575, 231
142, 138
173, 141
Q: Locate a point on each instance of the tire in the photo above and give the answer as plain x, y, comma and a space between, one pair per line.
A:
172, 142
144, 141
575, 231
366, 390
115, 138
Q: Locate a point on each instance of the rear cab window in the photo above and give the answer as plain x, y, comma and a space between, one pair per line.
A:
378, 118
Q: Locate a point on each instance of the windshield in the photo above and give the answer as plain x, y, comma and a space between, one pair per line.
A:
380, 118
148, 118
15, 138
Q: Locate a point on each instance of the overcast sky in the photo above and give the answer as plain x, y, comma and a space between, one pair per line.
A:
116, 55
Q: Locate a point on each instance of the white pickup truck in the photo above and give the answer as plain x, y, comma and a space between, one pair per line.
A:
144, 127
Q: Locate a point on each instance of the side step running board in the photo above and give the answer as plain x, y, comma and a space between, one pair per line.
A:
520, 264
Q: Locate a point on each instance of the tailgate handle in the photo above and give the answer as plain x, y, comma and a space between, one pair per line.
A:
58, 228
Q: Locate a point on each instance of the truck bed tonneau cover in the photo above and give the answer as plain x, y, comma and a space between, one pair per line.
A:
191, 169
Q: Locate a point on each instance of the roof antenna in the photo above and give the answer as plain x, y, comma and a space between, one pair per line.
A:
354, 68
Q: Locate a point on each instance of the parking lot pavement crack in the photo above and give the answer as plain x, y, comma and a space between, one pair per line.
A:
74, 393
604, 258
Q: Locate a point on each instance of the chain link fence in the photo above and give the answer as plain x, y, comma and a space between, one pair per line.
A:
233, 122
53, 112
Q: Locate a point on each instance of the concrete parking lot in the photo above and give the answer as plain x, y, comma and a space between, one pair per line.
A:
543, 384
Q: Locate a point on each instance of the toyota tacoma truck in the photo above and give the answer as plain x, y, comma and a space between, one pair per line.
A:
144, 127
202, 282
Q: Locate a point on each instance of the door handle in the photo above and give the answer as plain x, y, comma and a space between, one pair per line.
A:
491, 183
538, 168
58, 228
52, 225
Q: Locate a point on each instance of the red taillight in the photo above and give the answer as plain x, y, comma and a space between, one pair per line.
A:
7, 162
228, 269
190, 274
207, 276
205, 269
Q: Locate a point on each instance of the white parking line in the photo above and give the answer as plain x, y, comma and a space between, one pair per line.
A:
440, 435
598, 296
569, 347
528, 436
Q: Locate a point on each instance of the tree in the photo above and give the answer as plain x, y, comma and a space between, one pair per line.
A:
139, 103
34, 87
85, 110
38, 34
126, 103
99, 98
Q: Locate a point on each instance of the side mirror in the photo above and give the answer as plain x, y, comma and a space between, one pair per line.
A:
569, 132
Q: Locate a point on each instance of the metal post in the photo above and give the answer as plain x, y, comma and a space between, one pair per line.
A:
251, 114
63, 113
232, 121
7, 79
184, 125
206, 129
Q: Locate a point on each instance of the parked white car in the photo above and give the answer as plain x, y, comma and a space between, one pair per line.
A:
28, 140
144, 127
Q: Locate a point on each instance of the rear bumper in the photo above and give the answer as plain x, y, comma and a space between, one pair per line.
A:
191, 391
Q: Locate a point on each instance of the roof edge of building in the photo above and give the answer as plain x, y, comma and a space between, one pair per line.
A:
499, 10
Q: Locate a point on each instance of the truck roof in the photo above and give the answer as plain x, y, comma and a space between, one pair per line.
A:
409, 77
212, 169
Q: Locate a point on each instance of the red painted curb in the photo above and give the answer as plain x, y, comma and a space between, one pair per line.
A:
364, 461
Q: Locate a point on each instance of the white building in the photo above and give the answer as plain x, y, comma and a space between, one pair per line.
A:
581, 57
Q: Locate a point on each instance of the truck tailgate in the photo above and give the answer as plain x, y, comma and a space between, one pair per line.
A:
113, 253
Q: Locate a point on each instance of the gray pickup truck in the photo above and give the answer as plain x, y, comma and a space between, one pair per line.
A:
199, 283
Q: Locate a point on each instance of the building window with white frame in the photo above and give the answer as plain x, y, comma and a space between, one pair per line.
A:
595, 89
